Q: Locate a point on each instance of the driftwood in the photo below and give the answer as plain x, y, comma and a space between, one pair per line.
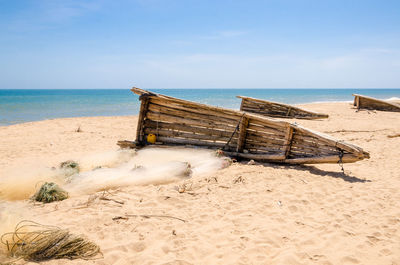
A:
364, 102
238, 134
279, 110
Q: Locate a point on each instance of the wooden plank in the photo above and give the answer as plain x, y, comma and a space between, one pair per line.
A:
187, 128
250, 144
242, 134
288, 140
357, 101
276, 109
142, 115
264, 106
373, 103
272, 130
330, 141
310, 149
184, 121
176, 141
217, 110
301, 142
192, 115
264, 149
161, 132
265, 109
257, 122
297, 151
194, 110
242, 104
256, 156
255, 136
181, 122
251, 100
347, 158
288, 112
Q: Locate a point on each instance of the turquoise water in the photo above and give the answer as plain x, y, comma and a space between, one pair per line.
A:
17, 106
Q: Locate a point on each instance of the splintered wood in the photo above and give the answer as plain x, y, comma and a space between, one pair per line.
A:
238, 134
364, 102
279, 110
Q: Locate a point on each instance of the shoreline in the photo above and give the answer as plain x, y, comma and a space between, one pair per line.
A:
65, 118
305, 105
50, 104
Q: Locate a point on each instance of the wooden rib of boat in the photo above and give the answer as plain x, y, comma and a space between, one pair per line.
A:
364, 102
238, 134
279, 110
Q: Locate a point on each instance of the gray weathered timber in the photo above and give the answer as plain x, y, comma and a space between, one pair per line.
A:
278, 110
364, 102
177, 122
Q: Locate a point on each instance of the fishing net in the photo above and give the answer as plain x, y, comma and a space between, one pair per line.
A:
70, 167
50, 192
35, 242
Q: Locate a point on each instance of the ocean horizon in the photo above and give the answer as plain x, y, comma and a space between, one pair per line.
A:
26, 105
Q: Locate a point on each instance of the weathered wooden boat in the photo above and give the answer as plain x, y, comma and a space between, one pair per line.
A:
364, 102
238, 134
279, 110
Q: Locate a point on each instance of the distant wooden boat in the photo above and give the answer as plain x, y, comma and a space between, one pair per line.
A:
279, 110
364, 102
238, 134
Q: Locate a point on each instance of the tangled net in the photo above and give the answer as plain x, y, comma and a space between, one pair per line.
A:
35, 242
70, 167
188, 171
50, 192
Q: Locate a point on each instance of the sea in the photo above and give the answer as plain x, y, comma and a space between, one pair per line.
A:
25, 105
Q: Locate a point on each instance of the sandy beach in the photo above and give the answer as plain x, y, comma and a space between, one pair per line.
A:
240, 214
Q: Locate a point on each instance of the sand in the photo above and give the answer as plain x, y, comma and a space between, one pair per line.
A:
242, 214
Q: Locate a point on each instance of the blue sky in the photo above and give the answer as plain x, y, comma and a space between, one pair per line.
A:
199, 44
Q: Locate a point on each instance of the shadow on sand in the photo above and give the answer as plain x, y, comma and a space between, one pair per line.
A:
316, 171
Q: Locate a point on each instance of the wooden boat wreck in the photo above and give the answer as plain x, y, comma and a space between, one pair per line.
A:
279, 110
364, 102
238, 134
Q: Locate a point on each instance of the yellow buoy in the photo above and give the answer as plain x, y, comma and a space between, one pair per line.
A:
151, 138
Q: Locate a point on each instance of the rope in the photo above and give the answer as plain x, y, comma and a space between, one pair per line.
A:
341, 154
237, 128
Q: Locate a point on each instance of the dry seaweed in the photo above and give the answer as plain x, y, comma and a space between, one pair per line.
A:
35, 242
50, 192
